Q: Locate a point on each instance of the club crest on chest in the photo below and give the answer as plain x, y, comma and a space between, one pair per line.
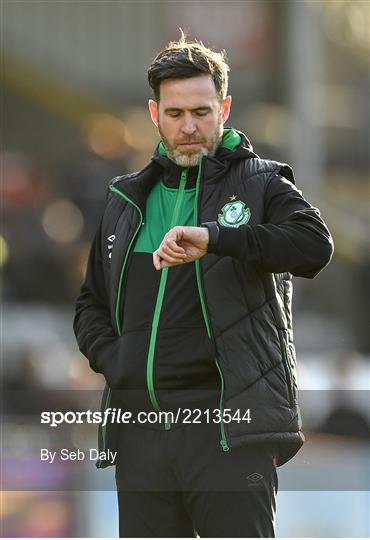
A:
234, 214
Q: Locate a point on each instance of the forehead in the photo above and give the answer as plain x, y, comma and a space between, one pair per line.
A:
188, 93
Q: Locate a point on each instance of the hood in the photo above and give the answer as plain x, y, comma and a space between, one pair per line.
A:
234, 145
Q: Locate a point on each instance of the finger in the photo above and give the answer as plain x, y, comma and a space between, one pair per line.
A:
166, 264
160, 263
165, 249
168, 258
157, 261
172, 244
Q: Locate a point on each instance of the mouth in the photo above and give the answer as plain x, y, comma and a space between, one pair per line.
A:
190, 146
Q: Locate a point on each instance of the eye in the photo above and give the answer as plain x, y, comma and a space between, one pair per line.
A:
201, 113
174, 114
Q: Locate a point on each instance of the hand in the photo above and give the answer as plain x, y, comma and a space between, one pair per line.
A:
181, 245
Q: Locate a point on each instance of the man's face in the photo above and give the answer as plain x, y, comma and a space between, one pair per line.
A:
190, 118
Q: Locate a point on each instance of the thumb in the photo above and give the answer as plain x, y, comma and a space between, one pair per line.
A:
176, 233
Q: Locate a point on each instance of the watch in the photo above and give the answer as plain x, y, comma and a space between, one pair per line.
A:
214, 232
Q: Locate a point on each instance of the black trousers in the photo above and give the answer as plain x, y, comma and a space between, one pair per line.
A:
179, 483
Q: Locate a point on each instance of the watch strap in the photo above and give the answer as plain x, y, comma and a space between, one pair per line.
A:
214, 232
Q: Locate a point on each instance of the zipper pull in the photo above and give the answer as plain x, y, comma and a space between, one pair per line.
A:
224, 445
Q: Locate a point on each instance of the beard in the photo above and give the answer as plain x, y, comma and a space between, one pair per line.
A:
191, 159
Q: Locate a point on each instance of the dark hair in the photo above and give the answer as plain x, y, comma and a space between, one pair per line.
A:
183, 59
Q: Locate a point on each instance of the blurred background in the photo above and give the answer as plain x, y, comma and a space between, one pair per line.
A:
74, 114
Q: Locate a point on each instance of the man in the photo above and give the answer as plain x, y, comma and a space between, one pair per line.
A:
186, 305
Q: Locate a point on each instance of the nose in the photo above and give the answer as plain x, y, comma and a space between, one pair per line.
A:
188, 126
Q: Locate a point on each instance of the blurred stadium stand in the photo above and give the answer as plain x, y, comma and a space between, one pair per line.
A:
74, 93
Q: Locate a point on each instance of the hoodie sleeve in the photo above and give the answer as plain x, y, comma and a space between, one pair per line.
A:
92, 325
293, 237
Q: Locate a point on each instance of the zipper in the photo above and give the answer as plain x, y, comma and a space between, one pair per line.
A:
104, 428
118, 301
288, 371
223, 442
159, 303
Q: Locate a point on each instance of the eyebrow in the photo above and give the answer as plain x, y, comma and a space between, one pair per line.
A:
176, 109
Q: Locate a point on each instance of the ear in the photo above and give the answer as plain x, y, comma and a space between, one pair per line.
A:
226, 106
153, 108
